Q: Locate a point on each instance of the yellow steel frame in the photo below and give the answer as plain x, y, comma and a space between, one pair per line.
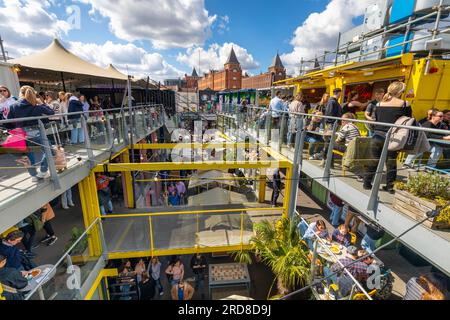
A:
102, 275
91, 211
208, 165
129, 194
90, 202
179, 251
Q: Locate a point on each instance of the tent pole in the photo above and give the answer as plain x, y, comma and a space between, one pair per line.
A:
113, 94
63, 83
146, 91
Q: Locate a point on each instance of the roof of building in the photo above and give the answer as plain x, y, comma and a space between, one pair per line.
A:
57, 58
232, 58
194, 73
277, 62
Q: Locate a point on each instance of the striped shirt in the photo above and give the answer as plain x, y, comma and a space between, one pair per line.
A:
414, 291
348, 133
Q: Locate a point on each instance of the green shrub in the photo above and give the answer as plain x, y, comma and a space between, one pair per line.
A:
432, 187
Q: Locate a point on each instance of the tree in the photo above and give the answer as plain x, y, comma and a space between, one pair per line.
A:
280, 246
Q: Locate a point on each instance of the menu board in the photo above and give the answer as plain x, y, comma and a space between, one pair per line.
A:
230, 272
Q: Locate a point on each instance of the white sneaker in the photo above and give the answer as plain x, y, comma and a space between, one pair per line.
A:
311, 158
35, 179
65, 208
71, 204
161, 293
43, 175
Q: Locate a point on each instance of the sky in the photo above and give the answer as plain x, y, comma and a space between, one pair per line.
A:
167, 38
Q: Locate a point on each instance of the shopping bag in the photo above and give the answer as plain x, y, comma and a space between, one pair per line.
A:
16, 141
60, 155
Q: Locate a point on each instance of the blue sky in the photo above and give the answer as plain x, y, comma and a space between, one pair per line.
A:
164, 38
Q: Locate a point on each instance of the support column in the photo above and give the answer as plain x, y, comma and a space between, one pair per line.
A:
296, 166
262, 186
91, 211
127, 183
289, 183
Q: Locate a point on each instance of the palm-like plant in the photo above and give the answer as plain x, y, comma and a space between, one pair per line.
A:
280, 246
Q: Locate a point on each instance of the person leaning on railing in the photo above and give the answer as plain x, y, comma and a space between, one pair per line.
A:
389, 110
28, 107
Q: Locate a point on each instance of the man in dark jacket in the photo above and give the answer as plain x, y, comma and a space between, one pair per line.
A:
333, 108
9, 250
11, 277
198, 266
276, 187
77, 133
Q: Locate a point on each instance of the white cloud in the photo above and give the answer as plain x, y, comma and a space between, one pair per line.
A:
28, 25
223, 24
216, 56
167, 24
319, 31
126, 57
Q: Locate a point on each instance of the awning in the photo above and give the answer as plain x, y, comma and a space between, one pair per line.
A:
217, 196
210, 177
57, 58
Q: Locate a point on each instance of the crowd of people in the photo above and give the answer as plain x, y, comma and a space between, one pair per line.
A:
62, 109
146, 275
386, 106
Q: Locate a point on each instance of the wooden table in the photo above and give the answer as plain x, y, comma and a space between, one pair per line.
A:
326, 255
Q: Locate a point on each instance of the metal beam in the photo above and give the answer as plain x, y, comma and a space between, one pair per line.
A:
297, 165
158, 166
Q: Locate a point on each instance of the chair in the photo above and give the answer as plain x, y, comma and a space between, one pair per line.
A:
4, 234
1, 291
354, 238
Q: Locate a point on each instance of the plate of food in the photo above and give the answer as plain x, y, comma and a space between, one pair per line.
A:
35, 273
335, 249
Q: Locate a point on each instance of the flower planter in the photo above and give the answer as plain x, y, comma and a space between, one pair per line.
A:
417, 208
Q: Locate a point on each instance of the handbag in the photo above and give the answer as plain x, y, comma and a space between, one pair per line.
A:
16, 140
60, 155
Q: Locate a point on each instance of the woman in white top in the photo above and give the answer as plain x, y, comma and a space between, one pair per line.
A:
6, 100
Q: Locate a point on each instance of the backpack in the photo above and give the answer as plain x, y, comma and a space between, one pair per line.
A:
403, 139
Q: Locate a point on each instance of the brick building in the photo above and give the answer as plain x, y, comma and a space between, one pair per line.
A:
275, 73
230, 78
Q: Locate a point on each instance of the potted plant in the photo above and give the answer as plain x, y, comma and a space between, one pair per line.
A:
281, 248
423, 193
78, 253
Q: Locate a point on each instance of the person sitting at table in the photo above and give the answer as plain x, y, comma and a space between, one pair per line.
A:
346, 134
425, 287
436, 149
12, 278
314, 140
11, 252
341, 236
316, 228
359, 270
433, 121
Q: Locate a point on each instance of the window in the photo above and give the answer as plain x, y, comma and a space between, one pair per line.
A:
235, 70
234, 78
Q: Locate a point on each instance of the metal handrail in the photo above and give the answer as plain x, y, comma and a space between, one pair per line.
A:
61, 115
320, 240
377, 33
384, 124
65, 255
